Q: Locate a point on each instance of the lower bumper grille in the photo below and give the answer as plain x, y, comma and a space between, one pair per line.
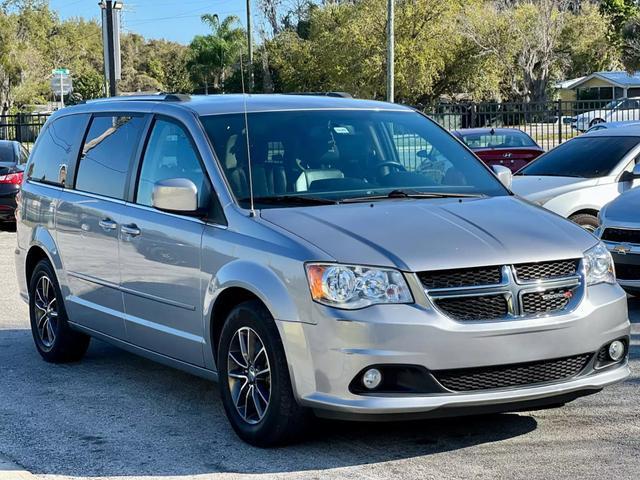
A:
505, 376
625, 271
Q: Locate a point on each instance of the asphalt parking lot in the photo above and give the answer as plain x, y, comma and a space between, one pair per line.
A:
115, 415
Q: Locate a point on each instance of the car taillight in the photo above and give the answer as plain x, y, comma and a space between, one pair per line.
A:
11, 178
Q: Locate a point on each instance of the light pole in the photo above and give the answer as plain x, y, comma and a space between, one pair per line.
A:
250, 45
390, 51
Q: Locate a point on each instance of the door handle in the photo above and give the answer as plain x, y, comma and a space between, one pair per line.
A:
107, 224
131, 230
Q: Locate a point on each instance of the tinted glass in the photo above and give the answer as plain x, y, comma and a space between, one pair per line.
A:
107, 153
57, 149
587, 157
7, 153
170, 154
339, 154
498, 140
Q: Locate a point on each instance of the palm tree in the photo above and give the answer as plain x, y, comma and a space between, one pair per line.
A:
214, 54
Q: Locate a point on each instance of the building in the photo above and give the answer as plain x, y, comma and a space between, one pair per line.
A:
600, 86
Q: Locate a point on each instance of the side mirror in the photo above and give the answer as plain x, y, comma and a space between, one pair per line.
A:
504, 175
632, 175
176, 195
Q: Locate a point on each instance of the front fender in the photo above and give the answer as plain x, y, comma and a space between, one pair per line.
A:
260, 280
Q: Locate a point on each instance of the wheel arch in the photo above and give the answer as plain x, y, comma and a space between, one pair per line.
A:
42, 247
587, 211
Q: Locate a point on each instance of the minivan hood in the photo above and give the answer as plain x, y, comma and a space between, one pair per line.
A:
435, 234
623, 209
536, 188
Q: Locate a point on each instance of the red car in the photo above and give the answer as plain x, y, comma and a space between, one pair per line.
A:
509, 147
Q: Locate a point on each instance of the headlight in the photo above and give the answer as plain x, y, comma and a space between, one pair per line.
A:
351, 287
599, 265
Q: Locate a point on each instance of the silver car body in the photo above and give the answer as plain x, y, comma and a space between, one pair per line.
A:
569, 196
624, 109
156, 293
620, 231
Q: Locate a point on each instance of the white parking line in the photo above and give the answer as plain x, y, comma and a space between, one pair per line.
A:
11, 471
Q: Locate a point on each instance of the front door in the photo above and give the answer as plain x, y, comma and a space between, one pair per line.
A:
160, 252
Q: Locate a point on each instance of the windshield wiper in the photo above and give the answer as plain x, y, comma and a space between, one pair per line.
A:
399, 193
291, 200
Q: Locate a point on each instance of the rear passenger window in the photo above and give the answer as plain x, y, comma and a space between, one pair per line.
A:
107, 153
57, 150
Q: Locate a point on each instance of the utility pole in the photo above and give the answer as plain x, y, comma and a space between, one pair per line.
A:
390, 52
250, 45
111, 40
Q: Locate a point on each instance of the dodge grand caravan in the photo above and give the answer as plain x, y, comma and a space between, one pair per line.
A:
315, 255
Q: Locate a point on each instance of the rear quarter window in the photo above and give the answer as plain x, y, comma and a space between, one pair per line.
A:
57, 150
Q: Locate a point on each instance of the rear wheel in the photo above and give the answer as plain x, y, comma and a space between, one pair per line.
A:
587, 221
55, 341
595, 121
254, 379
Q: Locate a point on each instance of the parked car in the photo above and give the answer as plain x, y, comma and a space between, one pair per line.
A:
295, 249
622, 109
607, 125
510, 147
620, 232
13, 157
578, 177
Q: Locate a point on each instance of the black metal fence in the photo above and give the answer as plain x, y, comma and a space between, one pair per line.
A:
22, 127
548, 123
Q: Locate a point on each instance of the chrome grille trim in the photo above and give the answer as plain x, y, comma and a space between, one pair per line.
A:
513, 291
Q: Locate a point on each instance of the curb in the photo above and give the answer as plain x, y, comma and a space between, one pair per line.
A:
11, 471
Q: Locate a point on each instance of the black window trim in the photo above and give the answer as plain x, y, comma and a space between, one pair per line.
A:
215, 214
132, 160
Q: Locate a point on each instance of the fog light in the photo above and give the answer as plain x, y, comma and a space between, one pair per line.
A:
372, 378
616, 350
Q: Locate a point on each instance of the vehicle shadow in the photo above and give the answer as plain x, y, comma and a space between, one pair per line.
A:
115, 414
7, 227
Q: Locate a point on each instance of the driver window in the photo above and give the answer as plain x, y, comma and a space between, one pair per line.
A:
170, 154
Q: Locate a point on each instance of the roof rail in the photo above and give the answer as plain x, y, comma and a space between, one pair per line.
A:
323, 94
152, 97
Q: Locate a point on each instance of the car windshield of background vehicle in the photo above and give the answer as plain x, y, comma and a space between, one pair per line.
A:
587, 157
341, 154
498, 140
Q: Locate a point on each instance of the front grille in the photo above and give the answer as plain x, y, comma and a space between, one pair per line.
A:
467, 277
625, 271
621, 235
474, 308
536, 303
505, 376
546, 270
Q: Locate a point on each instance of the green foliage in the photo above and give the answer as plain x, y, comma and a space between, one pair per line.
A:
212, 57
631, 44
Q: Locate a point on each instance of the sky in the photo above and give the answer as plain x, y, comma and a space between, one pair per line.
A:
177, 20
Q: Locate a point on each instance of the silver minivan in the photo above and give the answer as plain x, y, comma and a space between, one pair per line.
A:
316, 255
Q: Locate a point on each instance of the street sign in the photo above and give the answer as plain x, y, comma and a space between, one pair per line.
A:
61, 85
61, 71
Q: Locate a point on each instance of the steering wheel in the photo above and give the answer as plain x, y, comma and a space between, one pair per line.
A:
391, 165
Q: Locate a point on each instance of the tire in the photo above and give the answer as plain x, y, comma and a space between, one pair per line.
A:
585, 220
595, 121
55, 341
279, 420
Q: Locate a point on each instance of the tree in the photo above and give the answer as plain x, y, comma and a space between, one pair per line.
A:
631, 44
213, 56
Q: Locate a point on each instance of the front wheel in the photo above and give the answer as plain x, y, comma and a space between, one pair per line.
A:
55, 341
255, 385
595, 121
587, 221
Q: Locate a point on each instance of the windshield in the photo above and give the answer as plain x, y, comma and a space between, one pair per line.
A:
342, 154
499, 139
588, 157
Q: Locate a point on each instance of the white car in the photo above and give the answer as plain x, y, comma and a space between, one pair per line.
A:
622, 109
577, 178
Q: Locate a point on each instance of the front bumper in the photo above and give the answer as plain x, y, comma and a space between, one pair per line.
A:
325, 356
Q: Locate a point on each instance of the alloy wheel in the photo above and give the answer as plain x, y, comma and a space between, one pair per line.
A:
46, 311
249, 375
